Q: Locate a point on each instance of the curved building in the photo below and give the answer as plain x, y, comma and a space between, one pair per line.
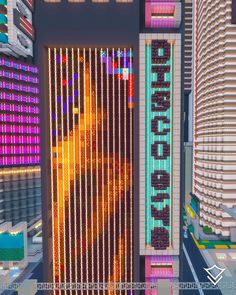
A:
214, 116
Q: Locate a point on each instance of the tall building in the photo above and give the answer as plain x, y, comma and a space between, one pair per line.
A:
160, 140
91, 101
214, 118
188, 70
20, 183
89, 75
16, 30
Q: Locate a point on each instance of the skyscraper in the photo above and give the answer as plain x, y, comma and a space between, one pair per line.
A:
160, 140
214, 117
90, 80
20, 185
91, 101
188, 70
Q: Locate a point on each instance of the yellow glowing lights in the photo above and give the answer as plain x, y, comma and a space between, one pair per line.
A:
19, 171
91, 167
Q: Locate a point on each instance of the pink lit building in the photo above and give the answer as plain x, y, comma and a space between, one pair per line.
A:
20, 184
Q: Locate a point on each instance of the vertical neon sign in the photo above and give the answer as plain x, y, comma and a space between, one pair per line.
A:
158, 88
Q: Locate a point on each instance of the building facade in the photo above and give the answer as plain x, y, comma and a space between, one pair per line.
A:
160, 140
214, 120
91, 109
20, 183
188, 70
90, 82
16, 29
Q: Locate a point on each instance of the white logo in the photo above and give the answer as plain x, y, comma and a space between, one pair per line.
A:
215, 278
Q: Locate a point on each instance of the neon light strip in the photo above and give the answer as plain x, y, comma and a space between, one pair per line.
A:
172, 60
18, 87
103, 203
125, 154
80, 173
19, 77
63, 172
119, 145
91, 158
14, 129
14, 150
131, 181
18, 108
51, 156
24, 170
57, 173
19, 119
68, 167
74, 167
18, 66
14, 139
97, 192
108, 176
19, 97
85, 161
19, 160
114, 158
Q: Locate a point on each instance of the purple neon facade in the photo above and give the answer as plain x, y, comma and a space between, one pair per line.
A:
19, 114
160, 14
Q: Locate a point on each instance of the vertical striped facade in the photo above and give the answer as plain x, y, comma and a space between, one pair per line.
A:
214, 114
91, 100
188, 45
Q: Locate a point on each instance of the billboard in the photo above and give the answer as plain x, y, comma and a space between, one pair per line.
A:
91, 97
159, 143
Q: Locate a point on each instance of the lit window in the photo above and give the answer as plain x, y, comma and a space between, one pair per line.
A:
52, 1
100, 1
124, 1
76, 1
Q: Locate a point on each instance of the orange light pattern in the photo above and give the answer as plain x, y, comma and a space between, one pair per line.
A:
91, 164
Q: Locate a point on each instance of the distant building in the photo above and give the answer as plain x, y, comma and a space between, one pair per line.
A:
20, 184
214, 169
16, 29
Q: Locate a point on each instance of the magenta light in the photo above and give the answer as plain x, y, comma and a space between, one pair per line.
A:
19, 77
18, 87
19, 139
19, 160
159, 7
18, 66
18, 108
19, 129
15, 150
19, 97
19, 119
160, 1
160, 272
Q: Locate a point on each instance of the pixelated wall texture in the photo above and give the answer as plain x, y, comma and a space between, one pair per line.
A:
19, 114
159, 143
91, 127
162, 13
